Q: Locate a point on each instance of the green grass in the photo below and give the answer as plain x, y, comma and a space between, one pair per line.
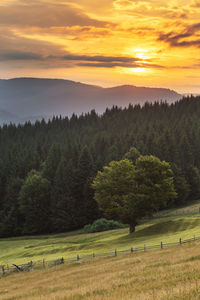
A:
192, 208
67, 245
169, 274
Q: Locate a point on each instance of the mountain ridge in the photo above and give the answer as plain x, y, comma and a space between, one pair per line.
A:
29, 97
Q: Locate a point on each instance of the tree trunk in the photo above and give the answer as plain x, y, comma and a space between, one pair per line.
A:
131, 228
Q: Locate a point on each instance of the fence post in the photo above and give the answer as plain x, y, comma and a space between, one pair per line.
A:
78, 257
31, 264
3, 270
115, 252
161, 245
62, 260
180, 242
93, 255
131, 249
199, 210
43, 263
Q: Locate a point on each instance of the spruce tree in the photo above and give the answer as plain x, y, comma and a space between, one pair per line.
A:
193, 178
51, 163
86, 206
64, 211
34, 198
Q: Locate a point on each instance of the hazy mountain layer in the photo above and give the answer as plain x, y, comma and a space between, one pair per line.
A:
24, 99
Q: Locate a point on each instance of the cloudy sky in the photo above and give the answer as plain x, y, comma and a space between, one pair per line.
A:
103, 42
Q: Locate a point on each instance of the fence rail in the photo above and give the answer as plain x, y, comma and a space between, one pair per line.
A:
6, 269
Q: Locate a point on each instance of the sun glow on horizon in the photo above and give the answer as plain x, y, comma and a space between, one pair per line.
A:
107, 42
138, 70
142, 54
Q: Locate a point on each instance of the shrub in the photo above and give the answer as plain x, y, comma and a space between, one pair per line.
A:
102, 225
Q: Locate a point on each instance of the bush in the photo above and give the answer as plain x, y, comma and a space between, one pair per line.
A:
102, 225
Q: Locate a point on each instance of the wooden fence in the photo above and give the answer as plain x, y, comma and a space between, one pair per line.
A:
6, 269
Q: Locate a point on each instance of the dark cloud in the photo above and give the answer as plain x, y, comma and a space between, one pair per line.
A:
71, 60
20, 55
118, 64
100, 58
44, 16
17, 55
24, 53
186, 38
108, 65
100, 61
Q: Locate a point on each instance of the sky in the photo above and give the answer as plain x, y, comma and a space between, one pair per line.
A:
103, 42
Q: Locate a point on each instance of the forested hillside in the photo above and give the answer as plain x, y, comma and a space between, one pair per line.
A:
46, 169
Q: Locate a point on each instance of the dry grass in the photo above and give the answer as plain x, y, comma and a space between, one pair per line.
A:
192, 208
172, 273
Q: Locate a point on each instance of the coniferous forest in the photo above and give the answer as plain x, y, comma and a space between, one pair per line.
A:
46, 168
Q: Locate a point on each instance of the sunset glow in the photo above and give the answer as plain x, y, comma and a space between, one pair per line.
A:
105, 42
138, 70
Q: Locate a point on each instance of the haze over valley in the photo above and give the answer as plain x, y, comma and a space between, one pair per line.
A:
24, 99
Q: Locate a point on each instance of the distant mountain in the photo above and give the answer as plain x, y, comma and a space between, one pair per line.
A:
23, 99
6, 117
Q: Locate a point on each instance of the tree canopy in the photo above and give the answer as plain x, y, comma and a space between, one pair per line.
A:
34, 203
130, 192
69, 151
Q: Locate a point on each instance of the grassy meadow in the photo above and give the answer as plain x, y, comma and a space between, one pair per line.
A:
168, 274
49, 247
171, 273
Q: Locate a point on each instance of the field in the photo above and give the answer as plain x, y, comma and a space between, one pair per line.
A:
171, 273
163, 228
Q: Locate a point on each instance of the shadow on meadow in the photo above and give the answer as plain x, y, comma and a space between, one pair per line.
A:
161, 228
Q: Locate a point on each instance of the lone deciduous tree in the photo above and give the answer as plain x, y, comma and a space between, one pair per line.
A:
130, 192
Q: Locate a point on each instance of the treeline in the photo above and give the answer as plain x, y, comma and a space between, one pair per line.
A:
46, 168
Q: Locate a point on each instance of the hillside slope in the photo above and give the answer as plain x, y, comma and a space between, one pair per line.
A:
31, 98
167, 229
168, 273
162, 274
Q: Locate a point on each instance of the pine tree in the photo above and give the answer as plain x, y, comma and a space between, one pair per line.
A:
193, 178
182, 187
34, 198
11, 220
51, 163
86, 206
64, 210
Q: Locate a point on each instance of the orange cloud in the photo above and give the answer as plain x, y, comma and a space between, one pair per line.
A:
40, 15
195, 3
102, 40
187, 38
